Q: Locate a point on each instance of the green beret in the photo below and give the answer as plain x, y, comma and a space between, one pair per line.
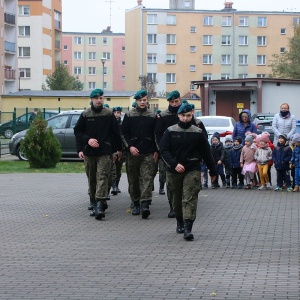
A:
140, 94
106, 105
193, 106
184, 108
184, 101
173, 95
117, 108
158, 111
133, 104
96, 93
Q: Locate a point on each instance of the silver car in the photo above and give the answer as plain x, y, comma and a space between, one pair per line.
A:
63, 129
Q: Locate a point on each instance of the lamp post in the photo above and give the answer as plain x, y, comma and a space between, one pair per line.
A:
103, 60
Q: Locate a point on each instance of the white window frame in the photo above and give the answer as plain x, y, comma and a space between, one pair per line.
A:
151, 39
151, 58
207, 76
92, 40
24, 30
226, 21
243, 59
104, 40
66, 62
151, 77
261, 41
92, 55
262, 21
225, 59
243, 40
193, 29
123, 77
171, 59
106, 55
226, 40
77, 55
208, 20
243, 21
171, 39
261, 75
243, 76
207, 40
282, 49
192, 68
207, 59
192, 87
92, 85
261, 60
24, 10
283, 31
171, 20
77, 40
24, 72
225, 76
105, 70
151, 19
66, 47
22, 50
193, 49
92, 70
170, 77
77, 70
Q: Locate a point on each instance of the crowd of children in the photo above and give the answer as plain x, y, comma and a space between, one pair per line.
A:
249, 165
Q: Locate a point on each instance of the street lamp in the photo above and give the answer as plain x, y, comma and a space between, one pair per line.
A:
103, 60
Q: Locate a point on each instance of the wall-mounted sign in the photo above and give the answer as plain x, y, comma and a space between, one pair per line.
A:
240, 105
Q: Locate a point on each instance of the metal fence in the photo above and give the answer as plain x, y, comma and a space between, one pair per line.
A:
3, 148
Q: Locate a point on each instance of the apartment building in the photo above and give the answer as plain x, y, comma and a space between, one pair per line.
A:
178, 45
39, 41
98, 59
8, 46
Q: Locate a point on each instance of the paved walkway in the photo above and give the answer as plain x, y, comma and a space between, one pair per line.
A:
246, 245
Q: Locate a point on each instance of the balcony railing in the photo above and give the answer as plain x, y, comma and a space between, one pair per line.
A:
10, 18
9, 74
57, 24
57, 63
57, 44
10, 47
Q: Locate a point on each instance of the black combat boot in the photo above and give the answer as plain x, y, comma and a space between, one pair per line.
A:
171, 213
180, 225
136, 208
99, 210
161, 188
118, 186
145, 209
188, 225
108, 194
114, 188
93, 205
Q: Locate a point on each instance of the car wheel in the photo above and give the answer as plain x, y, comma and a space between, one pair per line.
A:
20, 154
8, 133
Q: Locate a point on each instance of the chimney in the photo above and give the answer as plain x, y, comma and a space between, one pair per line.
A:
139, 2
228, 5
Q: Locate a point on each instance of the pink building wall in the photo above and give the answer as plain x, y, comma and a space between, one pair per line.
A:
67, 54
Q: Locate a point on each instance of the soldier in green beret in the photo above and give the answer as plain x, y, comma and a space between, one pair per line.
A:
95, 132
183, 146
138, 130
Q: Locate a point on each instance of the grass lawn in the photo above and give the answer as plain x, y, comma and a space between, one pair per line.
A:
7, 167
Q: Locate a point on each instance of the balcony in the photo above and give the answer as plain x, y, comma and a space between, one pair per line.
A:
9, 18
57, 44
57, 63
57, 24
9, 74
10, 47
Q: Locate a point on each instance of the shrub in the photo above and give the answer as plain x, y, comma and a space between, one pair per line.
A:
40, 146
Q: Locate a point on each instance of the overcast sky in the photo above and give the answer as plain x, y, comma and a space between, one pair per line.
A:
94, 15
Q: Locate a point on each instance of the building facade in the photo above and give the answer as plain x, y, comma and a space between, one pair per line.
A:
8, 46
39, 41
98, 59
177, 45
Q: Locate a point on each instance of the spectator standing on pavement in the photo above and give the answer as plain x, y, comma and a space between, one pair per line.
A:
283, 123
244, 125
281, 156
295, 161
138, 130
228, 168
183, 146
247, 161
234, 156
95, 132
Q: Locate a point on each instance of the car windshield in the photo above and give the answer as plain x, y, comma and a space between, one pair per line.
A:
214, 122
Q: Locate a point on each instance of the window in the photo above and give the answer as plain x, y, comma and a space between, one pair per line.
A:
208, 20
77, 40
77, 70
24, 72
105, 85
151, 58
225, 76
192, 68
151, 19
123, 63
92, 71
260, 75
92, 55
207, 76
123, 48
226, 40
106, 55
261, 41
65, 47
192, 87
282, 50
59, 122
226, 21
92, 41
92, 85
283, 31
261, 60
193, 29
105, 70
104, 41
77, 55
225, 59
170, 78
123, 77
207, 40
171, 59
207, 59
243, 75
24, 30
65, 62
151, 77
171, 19
151, 38
261, 22
243, 21
171, 38
243, 40
296, 21
192, 48
243, 59
24, 10
187, 3
24, 51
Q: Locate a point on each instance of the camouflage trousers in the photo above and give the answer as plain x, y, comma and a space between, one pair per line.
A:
113, 174
185, 188
140, 171
119, 165
98, 170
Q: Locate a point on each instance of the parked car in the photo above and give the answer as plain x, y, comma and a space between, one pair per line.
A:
265, 126
223, 125
22, 123
257, 118
63, 128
